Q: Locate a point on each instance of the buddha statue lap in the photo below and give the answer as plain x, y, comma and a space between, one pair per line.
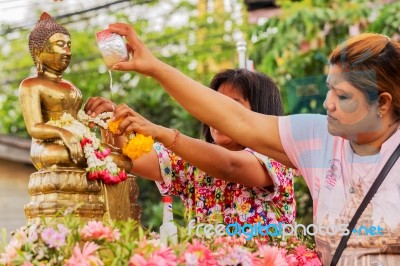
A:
56, 153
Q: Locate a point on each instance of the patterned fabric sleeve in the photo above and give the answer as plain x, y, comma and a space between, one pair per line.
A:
278, 172
172, 169
279, 196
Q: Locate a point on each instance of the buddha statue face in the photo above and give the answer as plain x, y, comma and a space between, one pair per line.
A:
50, 45
56, 55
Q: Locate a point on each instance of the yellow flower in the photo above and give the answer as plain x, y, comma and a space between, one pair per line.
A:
244, 208
137, 146
113, 125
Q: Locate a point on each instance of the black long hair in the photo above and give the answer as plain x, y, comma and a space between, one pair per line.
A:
259, 89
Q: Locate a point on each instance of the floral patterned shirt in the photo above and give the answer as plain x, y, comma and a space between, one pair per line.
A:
213, 200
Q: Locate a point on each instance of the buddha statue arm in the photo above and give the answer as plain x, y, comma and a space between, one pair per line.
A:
32, 112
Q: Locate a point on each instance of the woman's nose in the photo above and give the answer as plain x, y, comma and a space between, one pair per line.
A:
329, 102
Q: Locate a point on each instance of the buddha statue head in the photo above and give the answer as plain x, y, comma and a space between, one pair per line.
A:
50, 46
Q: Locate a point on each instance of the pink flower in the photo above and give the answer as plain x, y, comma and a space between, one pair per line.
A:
93, 174
231, 240
306, 257
270, 256
122, 175
32, 233
162, 257
190, 259
85, 141
26, 263
109, 178
85, 257
138, 260
55, 238
8, 256
259, 241
203, 254
19, 239
236, 255
290, 258
166, 256
95, 230
101, 154
106, 152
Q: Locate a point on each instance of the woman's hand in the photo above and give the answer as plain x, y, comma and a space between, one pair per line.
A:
141, 59
134, 122
97, 105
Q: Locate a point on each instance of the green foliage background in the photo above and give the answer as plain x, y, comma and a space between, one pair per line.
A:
291, 47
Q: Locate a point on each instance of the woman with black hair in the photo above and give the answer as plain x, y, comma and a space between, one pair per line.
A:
205, 173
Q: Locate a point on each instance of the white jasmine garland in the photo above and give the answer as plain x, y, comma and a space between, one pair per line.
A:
97, 158
100, 120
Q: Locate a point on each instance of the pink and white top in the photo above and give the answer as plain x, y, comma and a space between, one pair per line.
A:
338, 180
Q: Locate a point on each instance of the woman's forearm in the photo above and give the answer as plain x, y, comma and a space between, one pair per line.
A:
147, 166
232, 166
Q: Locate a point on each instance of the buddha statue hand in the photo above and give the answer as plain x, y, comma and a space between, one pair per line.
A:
73, 144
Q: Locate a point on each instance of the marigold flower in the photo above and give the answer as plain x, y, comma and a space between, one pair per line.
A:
137, 146
113, 125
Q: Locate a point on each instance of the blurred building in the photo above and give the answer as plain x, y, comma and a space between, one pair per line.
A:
260, 10
15, 169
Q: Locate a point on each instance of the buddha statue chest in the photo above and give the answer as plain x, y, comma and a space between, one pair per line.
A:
60, 98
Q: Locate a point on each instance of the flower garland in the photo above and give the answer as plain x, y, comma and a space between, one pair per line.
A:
100, 165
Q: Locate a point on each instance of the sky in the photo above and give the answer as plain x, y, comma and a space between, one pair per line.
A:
24, 13
19, 11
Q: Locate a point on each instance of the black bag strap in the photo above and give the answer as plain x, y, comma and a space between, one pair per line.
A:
371, 192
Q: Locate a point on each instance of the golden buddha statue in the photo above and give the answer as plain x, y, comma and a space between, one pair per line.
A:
56, 152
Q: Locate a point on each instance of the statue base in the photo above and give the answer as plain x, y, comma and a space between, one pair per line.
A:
121, 200
54, 192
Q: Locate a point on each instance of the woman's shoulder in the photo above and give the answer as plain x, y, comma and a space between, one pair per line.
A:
304, 119
303, 127
267, 161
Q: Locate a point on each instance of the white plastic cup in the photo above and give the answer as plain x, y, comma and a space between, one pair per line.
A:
112, 47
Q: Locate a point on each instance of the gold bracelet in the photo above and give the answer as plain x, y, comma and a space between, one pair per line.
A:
177, 133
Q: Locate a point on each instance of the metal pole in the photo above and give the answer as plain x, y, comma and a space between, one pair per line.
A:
241, 48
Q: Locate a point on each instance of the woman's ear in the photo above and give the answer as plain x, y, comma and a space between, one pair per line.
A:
385, 102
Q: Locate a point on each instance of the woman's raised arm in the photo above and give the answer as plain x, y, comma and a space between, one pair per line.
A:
256, 131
